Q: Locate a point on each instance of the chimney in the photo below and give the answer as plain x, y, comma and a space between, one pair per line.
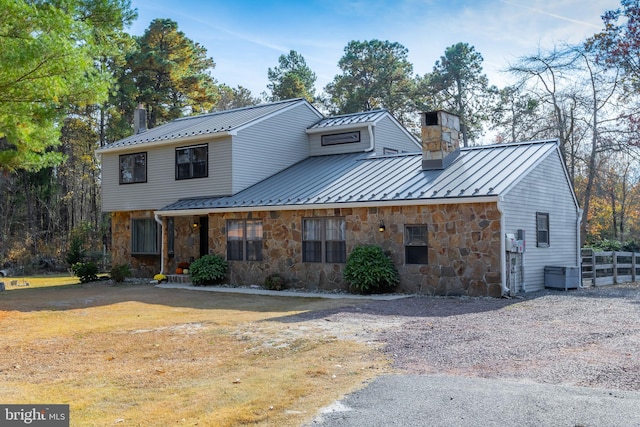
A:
139, 119
440, 139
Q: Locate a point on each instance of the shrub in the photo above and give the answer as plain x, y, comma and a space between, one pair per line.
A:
86, 271
274, 282
120, 272
208, 270
370, 270
76, 252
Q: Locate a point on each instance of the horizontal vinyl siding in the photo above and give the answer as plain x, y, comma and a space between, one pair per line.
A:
271, 145
161, 187
546, 190
317, 149
389, 135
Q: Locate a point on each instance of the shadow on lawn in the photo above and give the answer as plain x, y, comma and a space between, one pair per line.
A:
71, 297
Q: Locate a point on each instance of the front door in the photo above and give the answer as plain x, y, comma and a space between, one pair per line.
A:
204, 235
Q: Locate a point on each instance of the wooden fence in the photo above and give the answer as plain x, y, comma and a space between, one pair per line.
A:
609, 268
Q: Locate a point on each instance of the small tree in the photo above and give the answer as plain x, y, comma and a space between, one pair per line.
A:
370, 270
86, 271
76, 251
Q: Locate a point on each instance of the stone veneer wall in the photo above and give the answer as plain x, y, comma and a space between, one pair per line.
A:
141, 266
464, 247
186, 246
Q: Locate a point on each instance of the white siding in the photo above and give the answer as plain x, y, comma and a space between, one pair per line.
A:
545, 189
161, 187
271, 145
389, 135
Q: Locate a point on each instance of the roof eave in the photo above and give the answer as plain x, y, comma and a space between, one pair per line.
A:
409, 202
150, 144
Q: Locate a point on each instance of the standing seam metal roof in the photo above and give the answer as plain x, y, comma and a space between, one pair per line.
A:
349, 119
204, 124
360, 177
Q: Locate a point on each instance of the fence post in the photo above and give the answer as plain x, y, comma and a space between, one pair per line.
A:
614, 260
594, 270
633, 266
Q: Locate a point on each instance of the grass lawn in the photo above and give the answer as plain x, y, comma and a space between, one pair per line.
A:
140, 355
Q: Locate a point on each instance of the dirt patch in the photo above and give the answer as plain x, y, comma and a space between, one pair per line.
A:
587, 337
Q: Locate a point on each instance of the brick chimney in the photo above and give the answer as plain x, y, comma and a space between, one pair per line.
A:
440, 139
139, 119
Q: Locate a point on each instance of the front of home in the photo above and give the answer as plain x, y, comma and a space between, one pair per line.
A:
278, 188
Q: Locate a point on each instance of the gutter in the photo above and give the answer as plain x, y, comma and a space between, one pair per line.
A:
579, 251
503, 250
412, 202
372, 144
159, 221
136, 144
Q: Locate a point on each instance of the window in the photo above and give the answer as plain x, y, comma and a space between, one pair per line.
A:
144, 237
133, 168
542, 229
415, 244
386, 151
244, 240
340, 138
192, 162
323, 240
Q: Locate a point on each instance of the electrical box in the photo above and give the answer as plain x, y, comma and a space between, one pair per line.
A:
515, 242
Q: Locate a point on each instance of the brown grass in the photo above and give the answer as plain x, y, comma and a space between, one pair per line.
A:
140, 355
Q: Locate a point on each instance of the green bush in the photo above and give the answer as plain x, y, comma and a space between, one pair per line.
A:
208, 270
274, 282
120, 272
76, 252
369, 270
86, 271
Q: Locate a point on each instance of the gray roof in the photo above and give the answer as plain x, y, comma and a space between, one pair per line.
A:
360, 178
205, 124
349, 119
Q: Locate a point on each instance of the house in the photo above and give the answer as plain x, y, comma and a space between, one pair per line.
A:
280, 188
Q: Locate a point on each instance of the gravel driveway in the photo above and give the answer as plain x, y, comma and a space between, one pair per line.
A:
553, 343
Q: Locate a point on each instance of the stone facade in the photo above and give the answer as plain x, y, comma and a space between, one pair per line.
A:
463, 251
440, 138
141, 266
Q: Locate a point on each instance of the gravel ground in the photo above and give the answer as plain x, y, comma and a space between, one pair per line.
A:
586, 337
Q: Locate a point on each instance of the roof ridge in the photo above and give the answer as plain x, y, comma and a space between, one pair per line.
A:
234, 110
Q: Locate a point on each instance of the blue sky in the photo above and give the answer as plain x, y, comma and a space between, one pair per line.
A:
245, 37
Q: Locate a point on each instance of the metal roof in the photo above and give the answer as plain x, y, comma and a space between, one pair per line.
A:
349, 119
204, 124
483, 171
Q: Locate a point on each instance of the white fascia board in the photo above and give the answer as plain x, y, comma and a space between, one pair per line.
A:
150, 144
413, 202
331, 129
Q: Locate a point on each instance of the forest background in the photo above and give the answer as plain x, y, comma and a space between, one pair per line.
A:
71, 76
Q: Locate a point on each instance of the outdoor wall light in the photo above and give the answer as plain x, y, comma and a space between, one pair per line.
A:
381, 227
195, 224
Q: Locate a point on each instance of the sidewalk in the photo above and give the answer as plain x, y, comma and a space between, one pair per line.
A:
259, 291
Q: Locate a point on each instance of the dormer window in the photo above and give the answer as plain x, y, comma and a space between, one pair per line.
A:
341, 138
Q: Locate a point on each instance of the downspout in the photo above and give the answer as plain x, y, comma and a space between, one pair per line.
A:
503, 250
159, 221
579, 251
372, 144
